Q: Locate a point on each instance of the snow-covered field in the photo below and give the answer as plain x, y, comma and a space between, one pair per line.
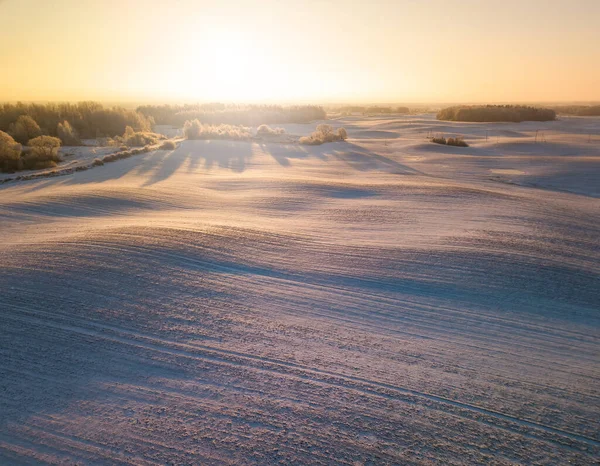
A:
384, 300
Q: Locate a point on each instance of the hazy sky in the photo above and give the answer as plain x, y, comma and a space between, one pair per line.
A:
301, 50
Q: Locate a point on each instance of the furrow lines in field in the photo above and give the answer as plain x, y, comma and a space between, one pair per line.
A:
318, 376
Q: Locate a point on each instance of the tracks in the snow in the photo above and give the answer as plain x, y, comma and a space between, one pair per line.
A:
313, 375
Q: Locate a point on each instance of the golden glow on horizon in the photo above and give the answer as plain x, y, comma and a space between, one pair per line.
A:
321, 51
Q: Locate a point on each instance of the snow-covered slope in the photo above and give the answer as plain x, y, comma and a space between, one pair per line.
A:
379, 301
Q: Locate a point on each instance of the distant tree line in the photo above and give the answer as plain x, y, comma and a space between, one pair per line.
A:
496, 113
69, 122
578, 110
372, 110
231, 114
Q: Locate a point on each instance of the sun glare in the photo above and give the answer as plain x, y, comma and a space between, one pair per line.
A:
228, 67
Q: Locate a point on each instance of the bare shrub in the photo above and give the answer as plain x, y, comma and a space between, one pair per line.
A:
10, 152
457, 141
67, 134
343, 134
196, 130
168, 145
24, 129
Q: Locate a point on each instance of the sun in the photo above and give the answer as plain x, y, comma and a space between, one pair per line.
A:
230, 67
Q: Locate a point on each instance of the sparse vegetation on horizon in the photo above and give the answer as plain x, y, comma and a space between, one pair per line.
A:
369, 110
496, 113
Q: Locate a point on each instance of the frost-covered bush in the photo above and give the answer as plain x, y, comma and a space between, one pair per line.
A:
266, 130
195, 130
168, 145
134, 138
10, 152
24, 129
324, 133
192, 129
67, 134
43, 153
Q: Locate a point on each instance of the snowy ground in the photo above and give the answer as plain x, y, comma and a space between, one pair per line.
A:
379, 301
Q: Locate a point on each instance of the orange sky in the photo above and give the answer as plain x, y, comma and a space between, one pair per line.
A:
320, 51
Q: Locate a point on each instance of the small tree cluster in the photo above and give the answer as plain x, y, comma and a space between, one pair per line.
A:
324, 133
496, 113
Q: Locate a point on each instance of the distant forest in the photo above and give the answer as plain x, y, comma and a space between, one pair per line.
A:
578, 110
496, 113
372, 110
88, 119
246, 115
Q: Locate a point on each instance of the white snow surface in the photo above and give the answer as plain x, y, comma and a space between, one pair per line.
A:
384, 300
